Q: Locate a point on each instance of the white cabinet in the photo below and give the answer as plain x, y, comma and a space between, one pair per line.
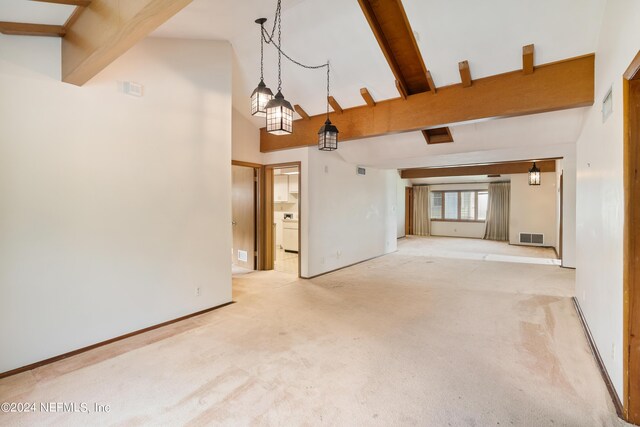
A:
293, 184
290, 235
280, 188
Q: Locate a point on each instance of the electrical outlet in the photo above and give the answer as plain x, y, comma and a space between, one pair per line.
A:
322, 261
338, 253
198, 291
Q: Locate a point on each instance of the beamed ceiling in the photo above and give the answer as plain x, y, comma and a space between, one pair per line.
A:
488, 35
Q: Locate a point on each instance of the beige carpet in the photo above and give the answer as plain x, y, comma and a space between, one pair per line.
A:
405, 339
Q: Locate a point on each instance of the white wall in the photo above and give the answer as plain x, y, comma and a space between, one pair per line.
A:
352, 217
402, 184
297, 155
114, 208
533, 208
600, 192
245, 140
473, 230
569, 210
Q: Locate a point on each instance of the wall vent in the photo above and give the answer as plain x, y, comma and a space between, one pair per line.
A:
361, 171
532, 239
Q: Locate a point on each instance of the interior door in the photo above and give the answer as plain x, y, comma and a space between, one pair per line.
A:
243, 216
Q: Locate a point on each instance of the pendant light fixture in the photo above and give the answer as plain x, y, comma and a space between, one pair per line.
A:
262, 94
279, 110
328, 133
534, 175
279, 113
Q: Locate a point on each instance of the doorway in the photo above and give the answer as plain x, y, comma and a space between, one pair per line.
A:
631, 324
280, 221
286, 219
243, 217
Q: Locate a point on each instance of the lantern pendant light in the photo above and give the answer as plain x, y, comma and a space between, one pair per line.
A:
328, 133
262, 94
279, 110
534, 175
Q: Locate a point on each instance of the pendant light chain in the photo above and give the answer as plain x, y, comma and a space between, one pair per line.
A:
261, 53
279, 51
328, 86
279, 112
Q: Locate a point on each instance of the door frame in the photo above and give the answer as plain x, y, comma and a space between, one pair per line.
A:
257, 207
408, 211
631, 261
561, 222
267, 238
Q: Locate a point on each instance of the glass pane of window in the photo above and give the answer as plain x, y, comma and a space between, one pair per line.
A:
468, 205
451, 205
483, 202
436, 205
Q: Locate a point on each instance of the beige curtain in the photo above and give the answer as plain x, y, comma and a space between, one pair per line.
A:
421, 210
497, 224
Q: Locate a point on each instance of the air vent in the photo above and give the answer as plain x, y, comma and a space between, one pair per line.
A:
532, 239
361, 171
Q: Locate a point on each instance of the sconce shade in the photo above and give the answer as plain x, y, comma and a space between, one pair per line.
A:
259, 99
534, 175
328, 137
279, 116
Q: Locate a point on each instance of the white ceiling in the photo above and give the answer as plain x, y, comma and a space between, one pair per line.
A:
526, 137
489, 34
34, 12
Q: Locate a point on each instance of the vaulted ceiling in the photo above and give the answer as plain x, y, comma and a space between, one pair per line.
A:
488, 34
34, 12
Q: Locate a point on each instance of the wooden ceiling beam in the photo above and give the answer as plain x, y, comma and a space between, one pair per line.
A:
81, 3
334, 104
527, 59
391, 28
556, 86
24, 29
506, 168
96, 39
301, 112
401, 90
465, 73
432, 85
367, 97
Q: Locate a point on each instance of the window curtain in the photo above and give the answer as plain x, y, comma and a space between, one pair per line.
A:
497, 224
421, 210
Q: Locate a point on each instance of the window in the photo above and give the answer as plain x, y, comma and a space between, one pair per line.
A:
451, 205
483, 203
436, 205
468, 205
